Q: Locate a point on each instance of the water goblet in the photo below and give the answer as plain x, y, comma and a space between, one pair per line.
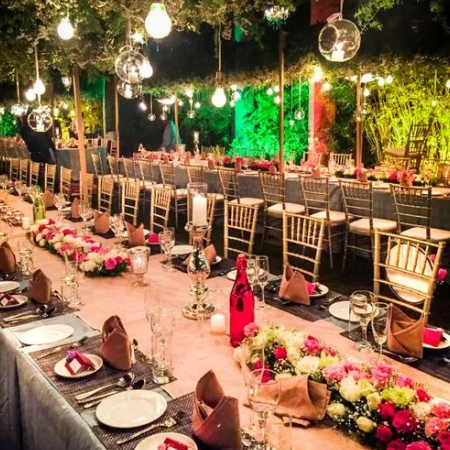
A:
380, 324
139, 264
69, 293
60, 202
362, 305
18, 185
118, 227
163, 326
86, 213
167, 242
262, 277
152, 307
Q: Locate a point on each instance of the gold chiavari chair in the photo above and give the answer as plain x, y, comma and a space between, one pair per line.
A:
359, 220
179, 195
412, 206
114, 149
98, 164
34, 173
128, 168
316, 193
114, 169
410, 267
443, 172
14, 169
303, 243
313, 158
23, 167
145, 171
196, 173
50, 177
65, 181
239, 228
273, 187
130, 201
340, 159
105, 194
90, 186
160, 208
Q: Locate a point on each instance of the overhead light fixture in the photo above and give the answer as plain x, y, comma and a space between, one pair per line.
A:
219, 99
66, 81
389, 79
39, 87
158, 23
142, 105
65, 29
30, 95
146, 69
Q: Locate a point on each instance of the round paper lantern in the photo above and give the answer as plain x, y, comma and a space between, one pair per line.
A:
146, 69
339, 40
129, 90
40, 120
30, 95
65, 29
128, 66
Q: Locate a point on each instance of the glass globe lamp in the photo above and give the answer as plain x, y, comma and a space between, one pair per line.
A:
128, 66
191, 114
65, 29
40, 120
67, 82
339, 40
30, 95
151, 117
129, 90
158, 23
19, 110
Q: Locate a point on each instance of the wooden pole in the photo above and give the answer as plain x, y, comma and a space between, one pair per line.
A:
116, 119
281, 46
18, 86
80, 128
175, 113
358, 121
104, 107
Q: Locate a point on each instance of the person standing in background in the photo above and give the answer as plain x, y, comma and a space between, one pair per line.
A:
40, 144
169, 136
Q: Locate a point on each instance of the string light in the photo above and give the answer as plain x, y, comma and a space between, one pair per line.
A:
366, 92
367, 78
389, 79
197, 105
381, 81
326, 87
232, 103
142, 106
277, 99
447, 84
270, 91
39, 87
146, 69
317, 74
30, 95
180, 102
276, 89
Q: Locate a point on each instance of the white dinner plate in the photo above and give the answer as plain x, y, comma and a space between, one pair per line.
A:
323, 291
60, 367
217, 261
442, 345
341, 310
22, 299
131, 409
152, 442
437, 191
47, 334
8, 286
231, 275
181, 250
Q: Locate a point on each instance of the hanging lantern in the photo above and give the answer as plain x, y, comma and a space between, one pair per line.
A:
158, 23
197, 105
142, 105
65, 29
39, 87
299, 114
151, 117
40, 120
339, 39
129, 90
191, 114
163, 116
19, 110
146, 69
30, 95
66, 81
128, 65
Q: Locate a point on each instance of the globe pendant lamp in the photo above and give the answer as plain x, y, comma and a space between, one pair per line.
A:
129, 90
40, 120
30, 95
151, 117
219, 99
339, 39
66, 81
39, 87
65, 29
128, 65
158, 23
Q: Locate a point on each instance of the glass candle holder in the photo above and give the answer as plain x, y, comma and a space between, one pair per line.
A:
197, 204
139, 264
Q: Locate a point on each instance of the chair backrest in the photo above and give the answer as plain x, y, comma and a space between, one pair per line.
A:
314, 158
97, 163
168, 175
196, 173
34, 173
146, 170
443, 172
303, 243
273, 188
14, 169
23, 164
90, 185
358, 200
239, 228
412, 207
105, 194
128, 167
316, 192
114, 149
229, 183
49, 177
113, 164
417, 138
65, 181
411, 269
130, 200
160, 208
340, 159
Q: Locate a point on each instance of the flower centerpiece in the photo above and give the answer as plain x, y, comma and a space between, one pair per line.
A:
94, 259
369, 400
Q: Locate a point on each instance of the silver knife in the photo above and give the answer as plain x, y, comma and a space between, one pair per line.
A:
19, 319
97, 397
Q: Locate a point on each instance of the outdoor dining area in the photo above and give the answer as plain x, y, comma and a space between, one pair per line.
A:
251, 260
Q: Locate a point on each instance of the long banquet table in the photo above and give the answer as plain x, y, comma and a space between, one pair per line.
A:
35, 417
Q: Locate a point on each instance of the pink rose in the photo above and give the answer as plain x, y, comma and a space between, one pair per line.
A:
442, 410
280, 353
42, 227
384, 433
335, 372
49, 237
312, 345
393, 176
434, 425
357, 374
404, 422
419, 445
386, 411
398, 444
404, 381
110, 263
443, 437
381, 372
251, 329
64, 248
51, 222
442, 275
257, 365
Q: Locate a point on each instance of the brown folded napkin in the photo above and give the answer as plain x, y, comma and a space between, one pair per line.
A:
101, 222
405, 335
273, 168
187, 159
293, 286
215, 419
116, 348
210, 253
316, 172
166, 159
74, 208
362, 176
135, 235
41, 287
7, 259
48, 199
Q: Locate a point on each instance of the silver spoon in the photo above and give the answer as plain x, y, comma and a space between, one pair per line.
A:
123, 382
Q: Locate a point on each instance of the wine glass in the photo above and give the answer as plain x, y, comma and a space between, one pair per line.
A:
262, 277
60, 200
18, 185
264, 392
362, 305
380, 324
25, 247
118, 227
86, 213
152, 307
167, 242
251, 271
163, 326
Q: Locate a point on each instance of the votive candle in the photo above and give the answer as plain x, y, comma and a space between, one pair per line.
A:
218, 324
26, 223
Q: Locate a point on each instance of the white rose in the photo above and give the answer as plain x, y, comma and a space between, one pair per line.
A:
237, 355
89, 266
45, 221
283, 376
42, 243
373, 401
421, 410
307, 365
336, 410
68, 238
34, 228
350, 390
365, 424
45, 231
57, 245
38, 237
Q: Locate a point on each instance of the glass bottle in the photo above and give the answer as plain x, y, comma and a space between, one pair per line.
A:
38, 205
242, 303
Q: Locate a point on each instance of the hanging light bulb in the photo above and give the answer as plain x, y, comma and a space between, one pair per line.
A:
277, 99
276, 89
30, 95
158, 23
291, 122
317, 74
65, 29
270, 91
366, 92
234, 87
142, 106
56, 111
146, 69
381, 81
197, 105
447, 84
367, 78
65, 105
151, 117
326, 87
219, 98
180, 102
191, 114
189, 93
232, 103
163, 116
389, 79
39, 87
67, 82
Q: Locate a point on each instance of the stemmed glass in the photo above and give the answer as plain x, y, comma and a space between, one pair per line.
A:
139, 264
264, 392
118, 227
167, 242
60, 202
163, 326
362, 305
152, 311
71, 282
86, 213
251, 271
25, 246
18, 185
380, 324
262, 277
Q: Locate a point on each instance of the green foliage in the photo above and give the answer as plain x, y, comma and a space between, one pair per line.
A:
366, 16
8, 125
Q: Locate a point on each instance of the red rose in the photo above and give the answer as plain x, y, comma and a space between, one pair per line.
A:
280, 353
42, 227
386, 411
118, 259
422, 395
419, 445
384, 433
444, 438
398, 444
404, 422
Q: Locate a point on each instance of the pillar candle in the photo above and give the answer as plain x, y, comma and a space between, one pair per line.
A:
26, 222
218, 325
199, 207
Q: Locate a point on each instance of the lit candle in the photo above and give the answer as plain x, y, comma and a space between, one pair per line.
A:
218, 325
196, 136
338, 54
199, 206
133, 77
26, 222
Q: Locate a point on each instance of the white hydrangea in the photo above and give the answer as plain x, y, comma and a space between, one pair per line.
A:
42, 243
88, 266
57, 245
421, 410
307, 365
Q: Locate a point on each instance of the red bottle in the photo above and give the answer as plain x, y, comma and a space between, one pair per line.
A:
242, 303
